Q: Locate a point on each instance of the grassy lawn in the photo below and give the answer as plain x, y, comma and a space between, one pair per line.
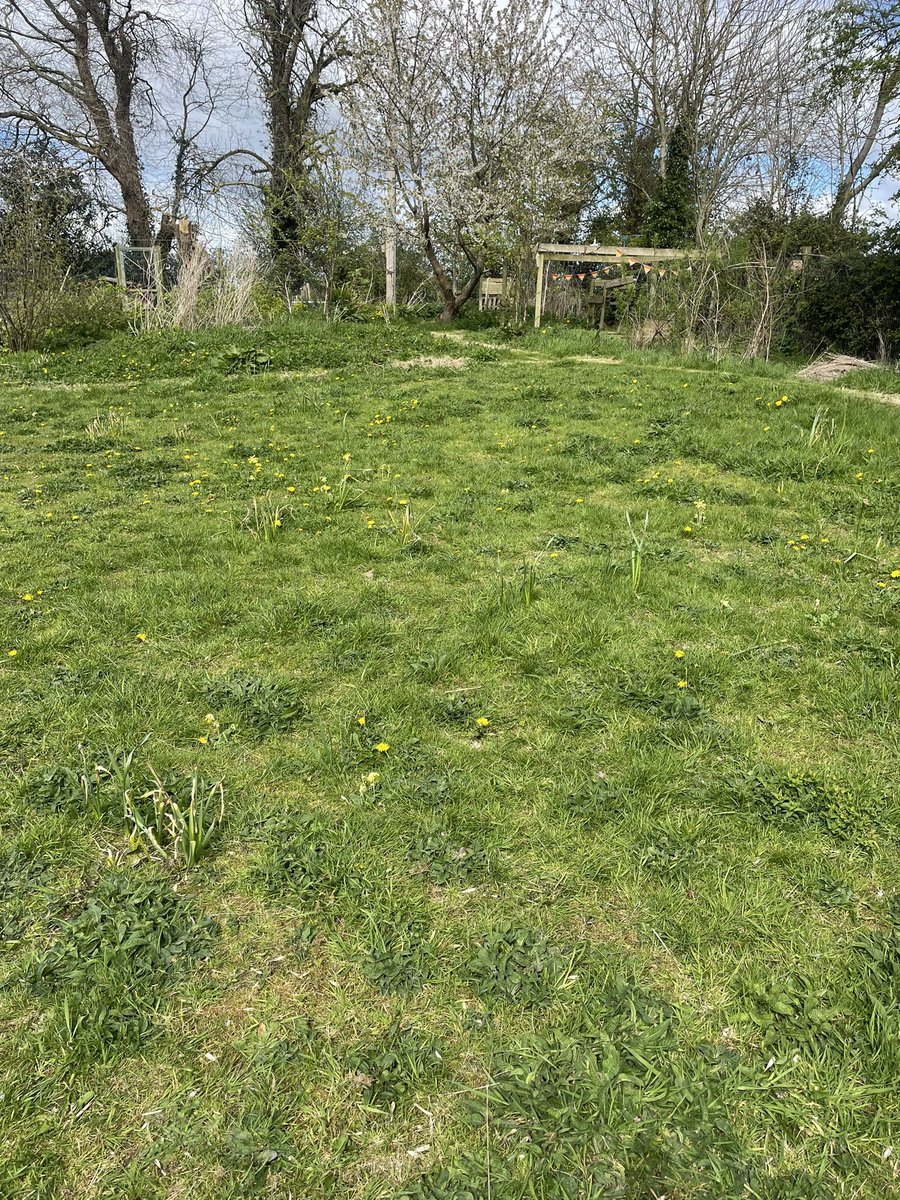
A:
552, 857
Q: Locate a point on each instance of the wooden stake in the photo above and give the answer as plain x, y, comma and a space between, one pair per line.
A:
539, 293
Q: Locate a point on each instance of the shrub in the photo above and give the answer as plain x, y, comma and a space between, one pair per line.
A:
86, 312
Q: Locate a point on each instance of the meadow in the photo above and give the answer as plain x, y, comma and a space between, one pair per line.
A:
444, 769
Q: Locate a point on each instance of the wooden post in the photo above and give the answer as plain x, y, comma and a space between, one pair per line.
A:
390, 250
120, 266
539, 293
157, 270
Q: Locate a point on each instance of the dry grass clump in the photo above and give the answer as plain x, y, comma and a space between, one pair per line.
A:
834, 366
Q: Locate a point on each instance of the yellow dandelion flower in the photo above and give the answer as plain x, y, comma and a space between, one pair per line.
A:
682, 683
895, 574
687, 529
12, 653
679, 654
203, 740
383, 747
28, 596
141, 637
360, 720
482, 722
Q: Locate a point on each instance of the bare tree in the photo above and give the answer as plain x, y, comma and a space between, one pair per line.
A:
86, 74
710, 67
465, 109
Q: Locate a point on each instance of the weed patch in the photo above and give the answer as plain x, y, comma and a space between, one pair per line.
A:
777, 796
113, 963
262, 706
397, 1065
446, 857
519, 966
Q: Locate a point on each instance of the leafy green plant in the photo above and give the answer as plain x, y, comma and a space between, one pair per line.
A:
262, 705
456, 708
519, 966
391, 1069
591, 801
608, 1100
112, 963
397, 955
57, 789
445, 857
304, 857
234, 358
787, 796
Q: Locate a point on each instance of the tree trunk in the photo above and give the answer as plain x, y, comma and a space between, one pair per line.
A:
138, 220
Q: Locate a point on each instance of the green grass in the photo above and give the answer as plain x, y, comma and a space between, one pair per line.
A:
532, 875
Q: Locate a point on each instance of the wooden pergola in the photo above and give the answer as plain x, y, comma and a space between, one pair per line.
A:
622, 256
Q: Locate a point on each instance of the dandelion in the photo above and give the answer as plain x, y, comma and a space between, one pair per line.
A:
679, 654
11, 653
203, 739
880, 583
360, 720
858, 475
687, 529
141, 637
895, 574
482, 722
383, 747
871, 450
209, 719
682, 683
579, 500
28, 596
